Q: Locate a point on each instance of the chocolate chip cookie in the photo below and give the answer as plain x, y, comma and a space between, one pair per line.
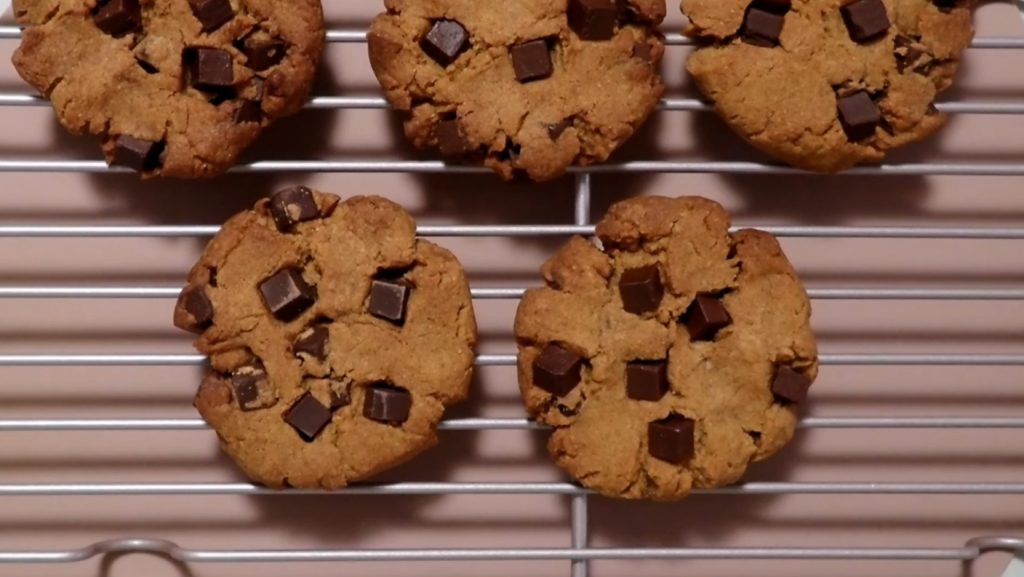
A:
826, 84
176, 87
523, 86
336, 338
671, 359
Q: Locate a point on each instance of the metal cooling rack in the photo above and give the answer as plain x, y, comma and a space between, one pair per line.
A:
579, 553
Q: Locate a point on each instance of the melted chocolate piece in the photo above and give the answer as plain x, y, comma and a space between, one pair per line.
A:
531, 60
137, 154
446, 40
252, 388
312, 342
286, 294
593, 19
450, 139
292, 206
197, 304
212, 14
705, 317
641, 289
647, 380
118, 17
762, 26
557, 370
209, 68
389, 299
249, 111
859, 115
387, 404
263, 54
790, 386
866, 20
308, 417
671, 439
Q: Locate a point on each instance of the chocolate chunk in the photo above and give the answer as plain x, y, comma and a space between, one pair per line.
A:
340, 395
209, 68
118, 17
531, 60
252, 388
859, 115
312, 342
762, 27
292, 206
445, 41
789, 385
308, 417
647, 380
137, 154
641, 289
866, 19
643, 51
388, 299
945, 5
287, 294
197, 304
593, 19
450, 139
557, 370
387, 404
555, 130
705, 317
263, 54
249, 111
671, 439
212, 14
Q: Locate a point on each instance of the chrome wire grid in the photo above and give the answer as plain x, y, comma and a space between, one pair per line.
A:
579, 553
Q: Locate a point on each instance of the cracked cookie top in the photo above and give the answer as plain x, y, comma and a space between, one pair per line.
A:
672, 358
336, 337
523, 86
827, 84
173, 87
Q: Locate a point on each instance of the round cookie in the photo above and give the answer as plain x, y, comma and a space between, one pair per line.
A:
531, 86
172, 87
673, 358
827, 84
336, 338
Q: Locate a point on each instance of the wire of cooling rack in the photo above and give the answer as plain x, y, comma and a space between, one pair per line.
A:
578, 553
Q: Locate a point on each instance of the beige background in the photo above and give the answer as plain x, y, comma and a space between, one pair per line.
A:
340, 521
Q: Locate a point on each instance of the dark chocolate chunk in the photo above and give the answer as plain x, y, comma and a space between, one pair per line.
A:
450, 139
945, 5
643, 51
557, 370
647, 380
137, 154
593, 19
531, 60
312, 342
388, 299
762, 26
705, 317
209, 68
292, 206
197, 304
263, 54
340, 395
252, 388
671, 439
641, 289
859, 115
308, 417
212, 14
387, 404
555, 130
445, 41
789, 385
866, 19
287, 294
118, 17
249, 111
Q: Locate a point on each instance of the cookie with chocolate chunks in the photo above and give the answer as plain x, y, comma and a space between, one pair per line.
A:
824, 85
175, 88
707, 377
317, 378
523, 87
